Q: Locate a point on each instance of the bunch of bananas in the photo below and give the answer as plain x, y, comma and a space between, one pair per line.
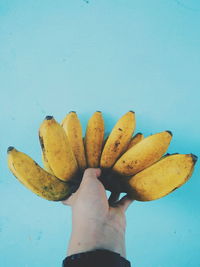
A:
131, 164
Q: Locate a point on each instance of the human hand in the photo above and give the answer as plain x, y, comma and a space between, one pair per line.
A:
95, 223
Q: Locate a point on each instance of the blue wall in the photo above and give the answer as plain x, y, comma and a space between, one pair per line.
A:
113, 56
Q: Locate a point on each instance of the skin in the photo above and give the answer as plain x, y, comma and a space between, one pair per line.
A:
97, 222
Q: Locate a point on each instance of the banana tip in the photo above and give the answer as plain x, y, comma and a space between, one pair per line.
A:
194, 158
98, 111
48, 117
169, 132
132, 111
72, 111
10, 148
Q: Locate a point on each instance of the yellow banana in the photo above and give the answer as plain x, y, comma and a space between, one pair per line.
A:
135, 139
143, 154
46, 164
31, 175
104, 142
73, 129
105, 139
162, 177
57, 149
118, 140
94, 138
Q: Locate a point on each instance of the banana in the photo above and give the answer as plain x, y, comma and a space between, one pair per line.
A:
162, 177
46, 164
135, 139
57, 149
94, 138
105, 139
32, 176
73, 129
143, 154
104, 142
118, 140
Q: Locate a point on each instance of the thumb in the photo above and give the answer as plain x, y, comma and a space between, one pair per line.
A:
124, 202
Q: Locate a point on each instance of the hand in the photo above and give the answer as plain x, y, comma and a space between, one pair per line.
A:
96, 224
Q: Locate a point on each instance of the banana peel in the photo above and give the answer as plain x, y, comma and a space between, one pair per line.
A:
35, 178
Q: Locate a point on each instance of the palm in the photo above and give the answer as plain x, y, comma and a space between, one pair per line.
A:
90, 202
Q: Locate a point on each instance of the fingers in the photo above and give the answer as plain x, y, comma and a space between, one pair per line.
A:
124, 202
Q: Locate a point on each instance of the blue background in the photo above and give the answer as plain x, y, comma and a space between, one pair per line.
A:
113, 56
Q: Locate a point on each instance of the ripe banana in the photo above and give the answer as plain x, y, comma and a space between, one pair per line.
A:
135, 139
46, 164
31, 175
57, 149
94, 138
73, 130
143, 154
118, 140
162, 177
105, 139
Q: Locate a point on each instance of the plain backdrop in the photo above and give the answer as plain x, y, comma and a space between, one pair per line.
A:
113, 56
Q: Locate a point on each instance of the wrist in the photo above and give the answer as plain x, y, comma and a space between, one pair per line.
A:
96, 236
